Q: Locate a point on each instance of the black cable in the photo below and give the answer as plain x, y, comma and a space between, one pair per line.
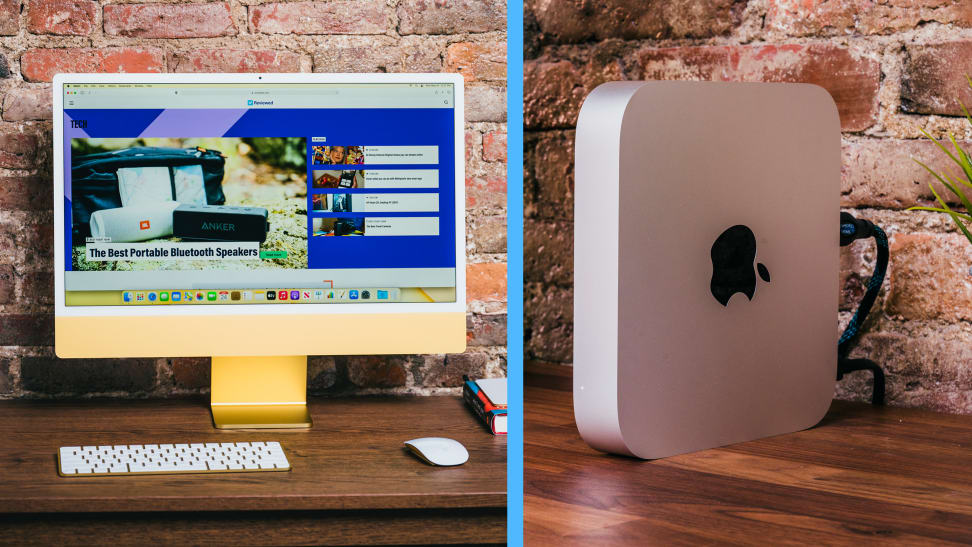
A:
852, 229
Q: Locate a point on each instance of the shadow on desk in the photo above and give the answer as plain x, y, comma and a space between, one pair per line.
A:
863, 474
350, 481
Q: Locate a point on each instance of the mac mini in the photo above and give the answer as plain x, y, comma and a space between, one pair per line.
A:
705, 263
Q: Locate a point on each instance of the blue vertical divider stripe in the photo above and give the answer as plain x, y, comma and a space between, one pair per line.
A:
514, 294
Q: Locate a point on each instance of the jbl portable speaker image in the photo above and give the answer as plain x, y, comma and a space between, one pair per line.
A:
135, 223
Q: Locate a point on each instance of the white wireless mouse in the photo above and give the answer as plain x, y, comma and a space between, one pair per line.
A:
439, 450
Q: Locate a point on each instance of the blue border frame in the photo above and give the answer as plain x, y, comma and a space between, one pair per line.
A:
514, 271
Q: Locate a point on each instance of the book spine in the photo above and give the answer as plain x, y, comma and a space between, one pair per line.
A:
473, 401
493, 414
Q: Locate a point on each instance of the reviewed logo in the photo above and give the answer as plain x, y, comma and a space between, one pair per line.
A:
144, 225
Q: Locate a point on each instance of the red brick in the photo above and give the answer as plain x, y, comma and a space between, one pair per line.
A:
378, 54
196, 20
486, 282
37, 288
548, 323
494, 146
6, 382
8, 285
883, 173
61, 16
852, 79
448, 372
28, 103
933, 81
548, 252
234, 60
9, 17
17, 150
322, 373
38, 239
486, 234
477, 61
930, 278
485, 103
563, 22
452, 17
26, 329
377, 371
473, 141
826, 17
548, 177
552, 94
488, 192
40, 65
553, 91
191, 372
31, 193
486, 329
856, 267
337, 17
78, 376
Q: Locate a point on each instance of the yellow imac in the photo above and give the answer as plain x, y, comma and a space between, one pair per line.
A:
258, 219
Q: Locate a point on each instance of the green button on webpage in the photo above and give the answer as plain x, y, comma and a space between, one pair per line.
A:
273, 254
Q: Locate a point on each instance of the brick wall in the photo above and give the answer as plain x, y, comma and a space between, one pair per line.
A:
893, 67
39, 38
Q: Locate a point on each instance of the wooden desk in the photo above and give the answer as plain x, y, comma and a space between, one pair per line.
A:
864, 475
351, 479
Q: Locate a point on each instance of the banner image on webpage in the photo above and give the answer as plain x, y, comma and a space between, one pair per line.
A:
219, 203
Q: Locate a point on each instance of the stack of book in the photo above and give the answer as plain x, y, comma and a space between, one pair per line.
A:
487, 398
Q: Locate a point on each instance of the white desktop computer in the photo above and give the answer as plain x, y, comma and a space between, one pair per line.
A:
258, 219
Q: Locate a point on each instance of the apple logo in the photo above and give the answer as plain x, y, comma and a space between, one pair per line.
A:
733, 254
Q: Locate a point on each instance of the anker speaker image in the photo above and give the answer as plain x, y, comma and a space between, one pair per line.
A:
220, 223
705, 263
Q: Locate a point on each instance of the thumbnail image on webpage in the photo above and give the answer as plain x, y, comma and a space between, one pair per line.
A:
222, 203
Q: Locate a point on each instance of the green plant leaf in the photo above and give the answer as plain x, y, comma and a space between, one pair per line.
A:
937, 210
940, 145
953, 214
954, 187
964, 163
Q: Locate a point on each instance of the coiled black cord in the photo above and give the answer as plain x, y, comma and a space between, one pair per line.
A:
852, 229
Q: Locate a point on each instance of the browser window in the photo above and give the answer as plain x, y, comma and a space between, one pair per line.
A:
207, 194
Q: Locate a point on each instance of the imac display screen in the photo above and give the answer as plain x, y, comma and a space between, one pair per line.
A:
225, 193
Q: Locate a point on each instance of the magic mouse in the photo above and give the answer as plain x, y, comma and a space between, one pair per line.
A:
438, 450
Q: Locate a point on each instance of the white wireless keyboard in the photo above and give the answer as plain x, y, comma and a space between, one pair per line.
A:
155, 459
